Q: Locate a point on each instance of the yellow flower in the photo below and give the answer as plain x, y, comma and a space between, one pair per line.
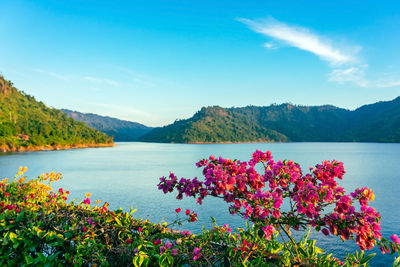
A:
87, 195
365, 192
372, 196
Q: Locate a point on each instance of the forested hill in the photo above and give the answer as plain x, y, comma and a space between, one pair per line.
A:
121, 130
379, 122
27, 124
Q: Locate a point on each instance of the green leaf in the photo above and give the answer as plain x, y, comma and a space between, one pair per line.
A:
118, 221
28, 259
301, 250
42, 257
367, 258
13, 237
138, 260
396, 262
170, 260
162, 261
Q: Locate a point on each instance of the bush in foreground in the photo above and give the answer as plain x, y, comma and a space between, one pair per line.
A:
39, 227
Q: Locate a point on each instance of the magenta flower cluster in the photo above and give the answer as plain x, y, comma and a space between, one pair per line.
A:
259, 197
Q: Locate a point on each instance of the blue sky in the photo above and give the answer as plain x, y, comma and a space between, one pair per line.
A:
157, 61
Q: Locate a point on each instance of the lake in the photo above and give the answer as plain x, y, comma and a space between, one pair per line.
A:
126, 175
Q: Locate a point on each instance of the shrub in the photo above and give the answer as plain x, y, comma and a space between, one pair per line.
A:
38, 226
259, 197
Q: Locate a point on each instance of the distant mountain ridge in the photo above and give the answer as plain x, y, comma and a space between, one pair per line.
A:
378, 122
122, 130
28, 124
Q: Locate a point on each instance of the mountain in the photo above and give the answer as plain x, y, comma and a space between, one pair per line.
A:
379, 122
121, 130
27, 124
214, 124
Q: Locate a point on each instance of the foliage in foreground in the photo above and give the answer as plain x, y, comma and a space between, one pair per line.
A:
260, 197
39, 227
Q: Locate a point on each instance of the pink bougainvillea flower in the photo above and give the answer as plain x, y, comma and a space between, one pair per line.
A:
168, 245
196, 254
178, 210
259, 197
193, 217
395, 239
86, 201
162, 249
186, 233
268, 231
325, 231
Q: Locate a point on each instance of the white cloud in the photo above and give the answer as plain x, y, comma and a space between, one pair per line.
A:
356, 75
102, 80
303, 39
388, 82
347, 68
271, 45
353, 74
52, 74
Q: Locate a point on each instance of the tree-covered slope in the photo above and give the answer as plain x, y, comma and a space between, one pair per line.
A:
121, 130
29, 124
299, 123
214, 124
379, 122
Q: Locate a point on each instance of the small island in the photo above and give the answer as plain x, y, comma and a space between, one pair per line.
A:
29, 125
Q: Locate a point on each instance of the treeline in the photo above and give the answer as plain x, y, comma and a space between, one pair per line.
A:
379, 122
25, 122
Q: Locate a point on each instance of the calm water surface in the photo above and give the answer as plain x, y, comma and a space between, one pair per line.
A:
126, 175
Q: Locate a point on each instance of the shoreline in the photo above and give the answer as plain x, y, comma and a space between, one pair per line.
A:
231, 142
5, 149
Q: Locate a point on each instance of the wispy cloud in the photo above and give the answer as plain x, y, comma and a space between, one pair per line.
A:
102, 80
52, 74
356, 75
271, 45
388, 81
125, 112
136, 77
346, 66
304, 39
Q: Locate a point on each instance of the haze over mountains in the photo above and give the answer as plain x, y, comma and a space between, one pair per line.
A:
122, 130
